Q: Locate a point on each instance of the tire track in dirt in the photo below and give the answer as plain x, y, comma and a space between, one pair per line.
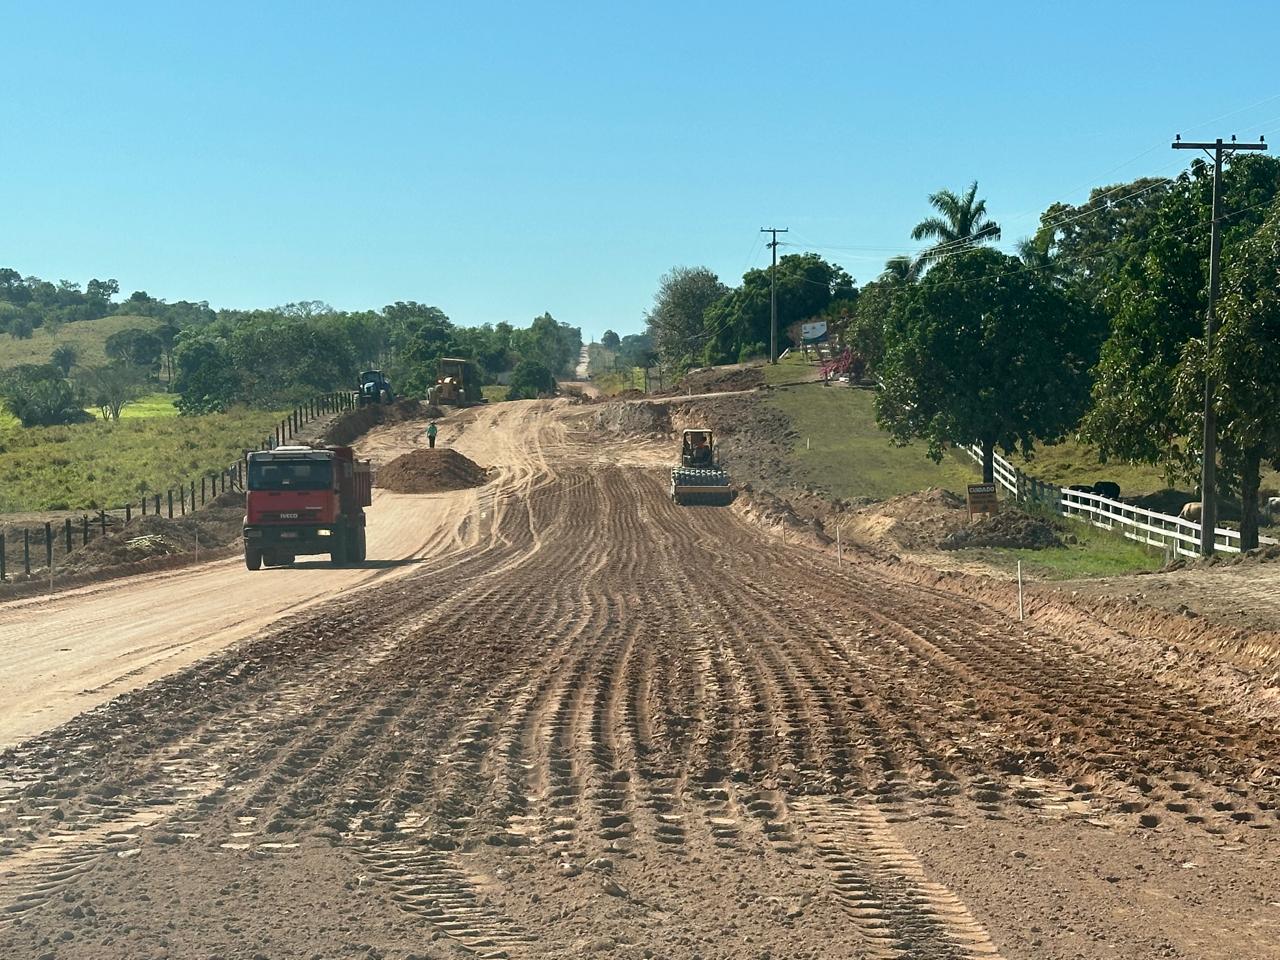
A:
664, 697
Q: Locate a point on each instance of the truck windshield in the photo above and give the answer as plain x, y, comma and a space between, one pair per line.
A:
290, 474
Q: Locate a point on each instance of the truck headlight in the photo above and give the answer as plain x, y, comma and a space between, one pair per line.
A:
324, 533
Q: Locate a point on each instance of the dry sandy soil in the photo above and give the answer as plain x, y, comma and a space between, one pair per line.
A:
561, 717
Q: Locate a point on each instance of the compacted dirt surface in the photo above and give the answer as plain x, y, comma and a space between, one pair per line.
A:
586, 722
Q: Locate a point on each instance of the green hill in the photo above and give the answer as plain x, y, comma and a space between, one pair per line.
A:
87, 336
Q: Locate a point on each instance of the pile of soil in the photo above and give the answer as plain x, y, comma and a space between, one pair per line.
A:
1010, 528
215, 525
345, 429
430, 471
718, 379
632, 419
912, 521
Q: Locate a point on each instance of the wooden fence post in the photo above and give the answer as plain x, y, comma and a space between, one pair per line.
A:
182, 500
157, 509
170, 503
84, 529
4, 574
202, 491
193, 496
26, 551
48, 544
128, 513
102, 520
67, 532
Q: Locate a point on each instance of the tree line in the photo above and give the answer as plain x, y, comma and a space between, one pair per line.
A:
1095, 327
267, 358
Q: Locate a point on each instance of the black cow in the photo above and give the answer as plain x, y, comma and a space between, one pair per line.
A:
1105, 488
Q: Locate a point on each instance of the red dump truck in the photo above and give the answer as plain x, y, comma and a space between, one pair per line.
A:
301, 500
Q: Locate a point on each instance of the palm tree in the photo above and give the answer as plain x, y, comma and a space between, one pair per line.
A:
64, 358
1034, 252
901, 269
963, 224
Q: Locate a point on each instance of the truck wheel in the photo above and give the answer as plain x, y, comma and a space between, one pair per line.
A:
338, 553
358, 546
253, 558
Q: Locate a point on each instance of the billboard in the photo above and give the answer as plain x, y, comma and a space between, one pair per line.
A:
814, 332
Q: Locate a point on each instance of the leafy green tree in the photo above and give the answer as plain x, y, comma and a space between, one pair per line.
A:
807, 287
167, 334
554, 345
982, 351
610, 340
677, 319
22, 328
206, 380
637, 350
39, 396
531, 380
1156, 304
421, 335
962, 223
1088, 244
136, 347
64, 357
1245, 364
112, 387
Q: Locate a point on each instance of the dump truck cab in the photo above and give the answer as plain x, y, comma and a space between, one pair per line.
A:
305, 500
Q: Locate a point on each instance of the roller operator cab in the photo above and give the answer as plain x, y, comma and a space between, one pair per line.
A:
699, 478
305, 500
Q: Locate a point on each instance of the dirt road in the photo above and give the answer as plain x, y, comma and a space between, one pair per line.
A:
593, 723
66, 653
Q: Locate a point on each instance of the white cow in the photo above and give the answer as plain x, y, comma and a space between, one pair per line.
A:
1270, 510
1190, 511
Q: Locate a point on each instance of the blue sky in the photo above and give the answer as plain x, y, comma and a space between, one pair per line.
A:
502, 159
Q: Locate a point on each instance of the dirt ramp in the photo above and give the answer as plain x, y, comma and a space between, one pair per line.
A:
430, 471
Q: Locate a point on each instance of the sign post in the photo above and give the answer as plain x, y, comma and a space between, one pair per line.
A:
982, 499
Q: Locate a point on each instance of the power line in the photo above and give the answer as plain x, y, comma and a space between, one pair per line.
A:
1208, 455
773, 292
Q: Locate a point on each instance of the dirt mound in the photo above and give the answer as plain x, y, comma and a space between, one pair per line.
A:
345, 429
215, 525
1011, 528
430, 471
913, 521
718, 379
632, 419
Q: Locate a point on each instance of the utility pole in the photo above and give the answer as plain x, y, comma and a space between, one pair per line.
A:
773, 293
1208, 464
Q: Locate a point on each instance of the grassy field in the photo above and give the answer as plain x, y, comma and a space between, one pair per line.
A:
150, 405
611, 384
1095, 553
87, 336
789, 369
106, 464
841, 448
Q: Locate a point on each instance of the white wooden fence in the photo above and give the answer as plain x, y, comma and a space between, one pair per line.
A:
1136, 523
